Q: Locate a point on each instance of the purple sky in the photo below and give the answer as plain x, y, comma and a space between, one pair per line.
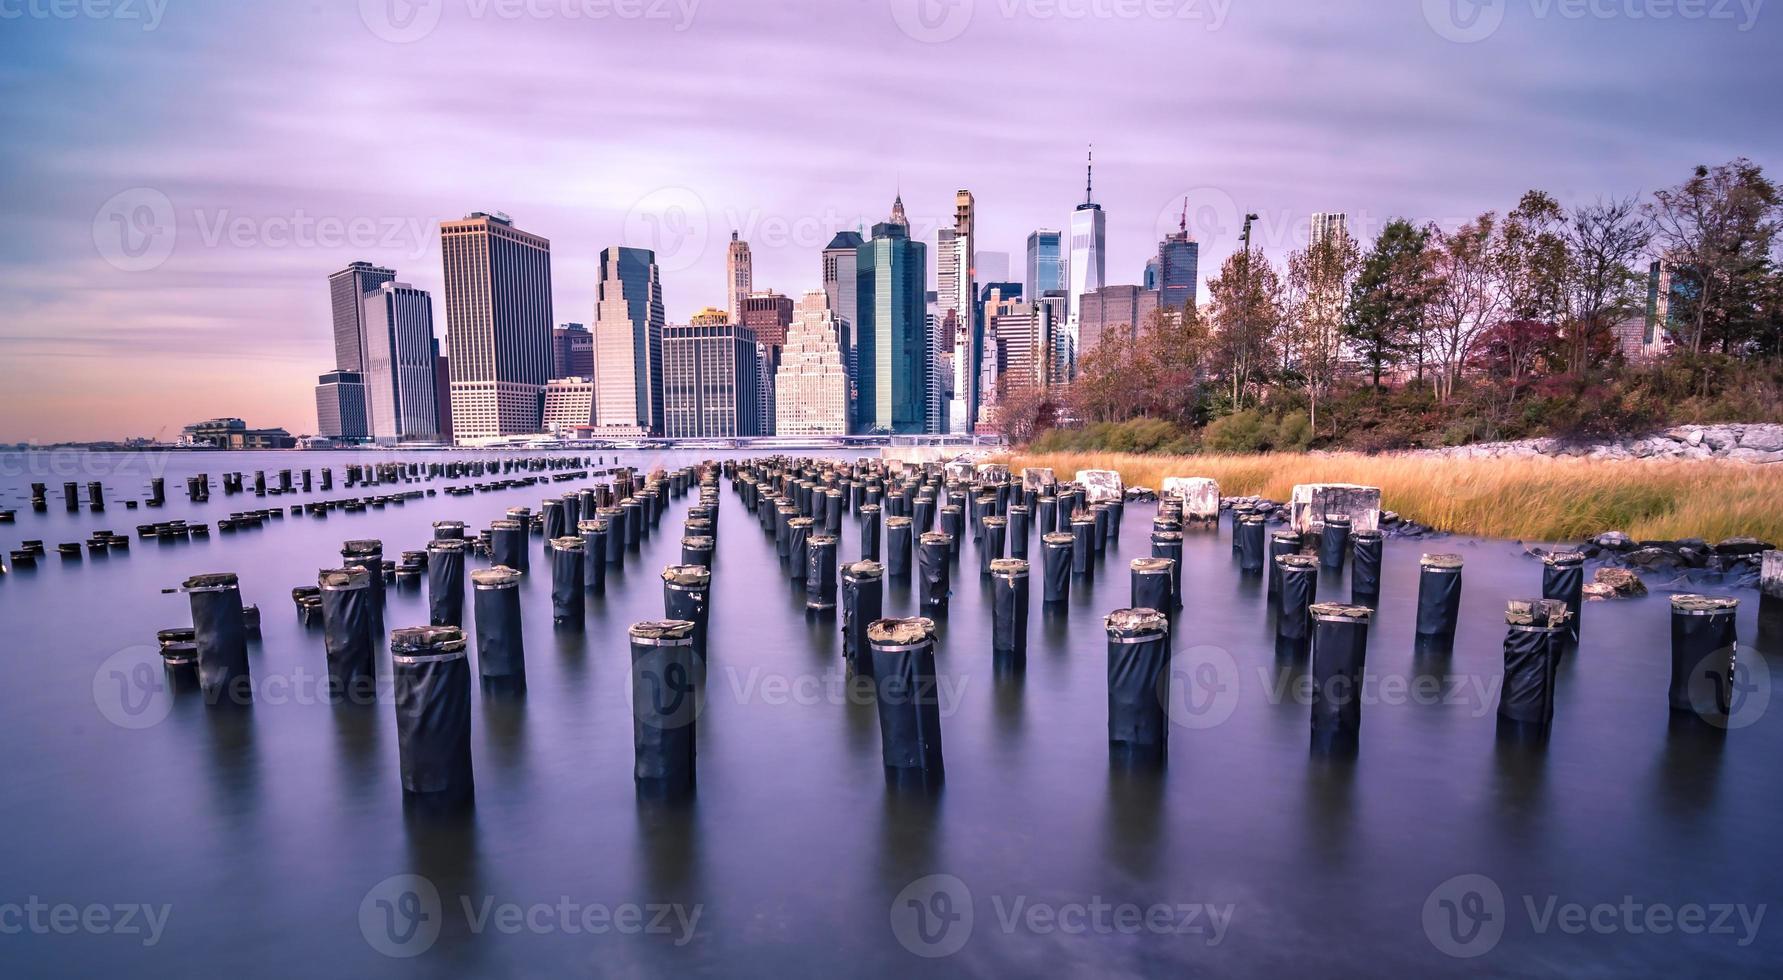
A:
286, 139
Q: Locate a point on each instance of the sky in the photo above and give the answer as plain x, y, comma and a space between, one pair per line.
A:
180, 176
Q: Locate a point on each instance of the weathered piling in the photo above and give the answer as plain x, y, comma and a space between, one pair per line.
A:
1058, 551
347, 634
1365, 567
665, 706
445, 581
567, 608
1563, 578
1535, 633
1705, 646
1009, 607
501, 649
933, 558
1339, 657
432, 684
221, 638
908, 697
1293, 616
1439, 603
863, 602
687, 595
1138, 661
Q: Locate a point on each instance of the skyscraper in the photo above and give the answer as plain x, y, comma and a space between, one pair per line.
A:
811, 388
346, 290
340, 406
994, 300
399, 352
1123, 310
1175, 269
767, 314
1328, 224
498, 324
1046, 263
628, 341
1087, 269
710, 380
572, 351
839, 259
740, 275
891, 287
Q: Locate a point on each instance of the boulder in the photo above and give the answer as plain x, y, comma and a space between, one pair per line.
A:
991, 472
1038, 478
1764, 438
1621, 582
1200, 496
1614, 541
1742, 546
1101, 485
1597, 591
1649, 559
1312, 501
957, 469
1142, 494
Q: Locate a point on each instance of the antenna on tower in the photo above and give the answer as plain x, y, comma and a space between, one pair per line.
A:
1184, 226
1089, 171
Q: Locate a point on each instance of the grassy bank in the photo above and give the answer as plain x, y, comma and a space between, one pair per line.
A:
1529, 499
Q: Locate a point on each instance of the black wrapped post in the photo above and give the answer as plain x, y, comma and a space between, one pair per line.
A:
798, 534
1334, 541
1138, 661
1535, 632
820, 570
501, 650
1365, 567
863, 601
1168, 544
869, 515
1280, 543
1009, 607
1251, 548
1083, 543
935, 584
784, 515
369, 555
953, 524
448, 531
1099, 513
1293, 617
554, 524
1057, 550
221, 638
696, 549
1439, 603
71, 496
1046, 516
1239, 513
687, 595
908, 698
633, 508
897, 547
1150, 586
665, 706
507, 544
432, 682
594, 555
1117, 509
1705, 643
95, 496
1563, 578
614, 517
990, 544
832, 512
1339, 655
347, 634
1018, 531
445, 581
566, 581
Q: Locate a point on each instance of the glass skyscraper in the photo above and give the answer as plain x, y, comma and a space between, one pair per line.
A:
893, 355
628, 341
1046, 263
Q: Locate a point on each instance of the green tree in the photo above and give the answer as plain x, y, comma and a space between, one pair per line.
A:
1387, 302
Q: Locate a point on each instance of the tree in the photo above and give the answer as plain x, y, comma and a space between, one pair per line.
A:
1317, 296
1244, 303
1717, 229
1604, 243
1387, 300
1103, 390
1512, 350
1469, 294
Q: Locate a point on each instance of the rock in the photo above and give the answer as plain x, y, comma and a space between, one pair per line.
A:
1141, 494
1037, 478
1200, 496
1742, 546
1614, 541
1694, 557
1764, 438
1621, 582
991, 472
1312, 501
1650, 559
1692, 543
1597, 591
1389, 518
1770, 576
1100, 485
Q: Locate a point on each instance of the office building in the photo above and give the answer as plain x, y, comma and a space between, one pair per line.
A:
340, 406
346, 289
839, 259
740, 275
1173, 272
1328, 224
399, 350
628, 327
1086, 269
710, 378
767, 314
498, 324
572, 351
891, 283
811, 387
442, 391
569, 405
1122, 310
1046, 263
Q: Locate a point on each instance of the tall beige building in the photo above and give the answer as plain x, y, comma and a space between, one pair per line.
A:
811, 387
498, 323
740, 275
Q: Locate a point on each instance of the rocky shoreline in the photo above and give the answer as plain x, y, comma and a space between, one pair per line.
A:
1755, 442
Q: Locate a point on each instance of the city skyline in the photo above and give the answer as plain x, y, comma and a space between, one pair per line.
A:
265, 186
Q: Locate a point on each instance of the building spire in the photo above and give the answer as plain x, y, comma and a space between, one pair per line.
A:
1184, 225
1089, 171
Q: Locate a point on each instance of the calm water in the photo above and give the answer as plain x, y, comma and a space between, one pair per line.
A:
261, 835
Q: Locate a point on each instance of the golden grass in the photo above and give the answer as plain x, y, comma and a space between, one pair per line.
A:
1536, 499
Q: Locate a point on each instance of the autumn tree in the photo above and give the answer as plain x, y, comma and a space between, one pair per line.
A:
1317, 294
1244, 305
1717, 229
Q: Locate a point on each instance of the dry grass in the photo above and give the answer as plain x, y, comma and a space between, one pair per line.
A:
1531, 499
